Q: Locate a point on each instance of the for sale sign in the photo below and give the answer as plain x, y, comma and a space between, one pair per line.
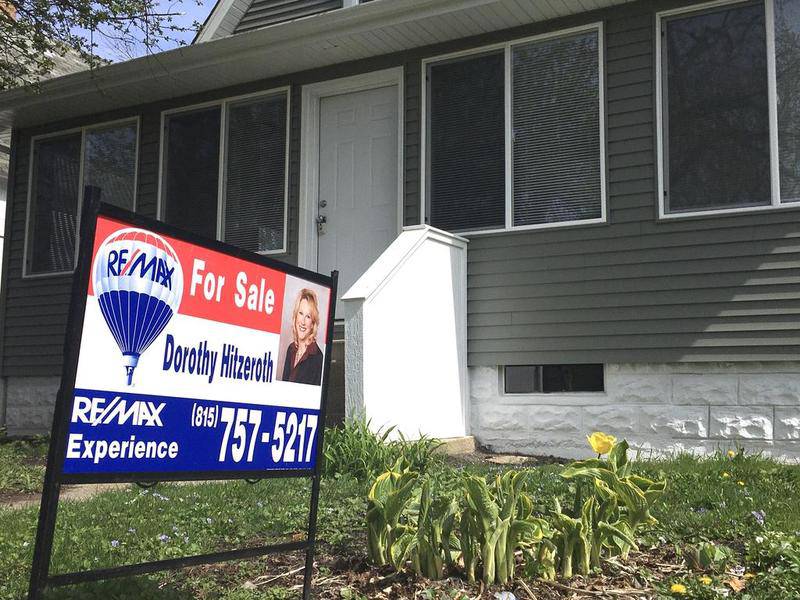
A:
185, 358
193, 359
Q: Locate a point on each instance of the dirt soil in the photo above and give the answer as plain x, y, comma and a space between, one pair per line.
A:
338, 570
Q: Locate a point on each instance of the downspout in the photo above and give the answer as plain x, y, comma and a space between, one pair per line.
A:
10, 199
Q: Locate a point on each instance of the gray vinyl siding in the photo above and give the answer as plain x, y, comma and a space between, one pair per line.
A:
724, 288
261, 13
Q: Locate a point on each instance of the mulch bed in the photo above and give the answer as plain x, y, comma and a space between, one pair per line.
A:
337, 571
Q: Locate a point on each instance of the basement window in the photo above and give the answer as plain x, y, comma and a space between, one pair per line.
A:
548, 379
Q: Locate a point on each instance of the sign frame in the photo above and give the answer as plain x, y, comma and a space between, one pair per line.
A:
41, 578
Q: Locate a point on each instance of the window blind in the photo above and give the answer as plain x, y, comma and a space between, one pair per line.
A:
787, 66
556, 130
109, 165
467, 148
53, 216
255, 182
192, 170
716, 109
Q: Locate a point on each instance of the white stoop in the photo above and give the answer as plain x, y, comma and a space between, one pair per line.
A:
406, 337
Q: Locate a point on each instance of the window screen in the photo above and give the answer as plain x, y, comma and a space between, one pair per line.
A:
556, 138
537, 379
54, 204
716, 109
255, 181
787, 67
466, 141
191, 170
109, 165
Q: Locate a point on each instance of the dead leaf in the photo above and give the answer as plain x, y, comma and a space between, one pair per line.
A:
736, 584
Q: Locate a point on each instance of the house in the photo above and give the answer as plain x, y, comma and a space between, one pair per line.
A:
68, 63
614, 183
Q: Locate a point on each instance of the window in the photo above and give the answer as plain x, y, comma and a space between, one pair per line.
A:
515, 135
467, 162
255, 181
97, 163
191, 167
248, 137
546, 379
109, 165
556, 112
724, 119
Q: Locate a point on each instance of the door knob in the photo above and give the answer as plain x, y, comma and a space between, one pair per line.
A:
321, 220
323, 203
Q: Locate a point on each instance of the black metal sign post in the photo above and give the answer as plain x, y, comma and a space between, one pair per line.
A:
41, 579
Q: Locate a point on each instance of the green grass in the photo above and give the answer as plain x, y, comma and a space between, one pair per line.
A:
21, 466
701, 503
137, 525
715, 499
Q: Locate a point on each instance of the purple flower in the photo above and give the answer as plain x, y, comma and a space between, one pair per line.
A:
115, 543
164, 538
760, 516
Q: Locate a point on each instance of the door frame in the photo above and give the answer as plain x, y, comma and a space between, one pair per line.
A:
312, 95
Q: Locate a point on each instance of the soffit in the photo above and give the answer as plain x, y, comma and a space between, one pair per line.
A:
373, 29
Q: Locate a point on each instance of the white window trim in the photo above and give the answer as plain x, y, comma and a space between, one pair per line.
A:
775, 193
506, 47
104, 125
223, 104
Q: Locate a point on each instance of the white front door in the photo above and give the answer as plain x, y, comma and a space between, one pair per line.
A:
357, 204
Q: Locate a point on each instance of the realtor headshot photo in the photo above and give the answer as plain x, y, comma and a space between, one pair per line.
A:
303, 332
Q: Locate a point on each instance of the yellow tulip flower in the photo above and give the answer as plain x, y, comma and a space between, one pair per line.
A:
601, 443
678, 588
731, 453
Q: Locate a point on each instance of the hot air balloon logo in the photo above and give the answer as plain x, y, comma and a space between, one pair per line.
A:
138, 282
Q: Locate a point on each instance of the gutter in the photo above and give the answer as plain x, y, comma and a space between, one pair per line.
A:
298, 33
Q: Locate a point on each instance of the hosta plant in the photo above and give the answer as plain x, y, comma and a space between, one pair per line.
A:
611, 503
387, 501
429, 541
497, 522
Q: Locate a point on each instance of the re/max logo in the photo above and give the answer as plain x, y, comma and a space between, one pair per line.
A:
99, 411
153, 268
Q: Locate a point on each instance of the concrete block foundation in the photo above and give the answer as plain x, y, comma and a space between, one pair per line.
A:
29, 404
660, 409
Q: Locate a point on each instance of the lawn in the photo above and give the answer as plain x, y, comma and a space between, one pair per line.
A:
746, 506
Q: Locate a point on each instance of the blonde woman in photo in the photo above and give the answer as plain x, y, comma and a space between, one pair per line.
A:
304, 358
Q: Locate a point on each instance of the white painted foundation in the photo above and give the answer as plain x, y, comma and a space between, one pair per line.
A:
659, 408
